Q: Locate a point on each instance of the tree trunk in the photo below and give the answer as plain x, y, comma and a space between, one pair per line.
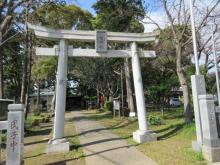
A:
128, 86
38, 93
182, 79
97, 99
27, 107
1, 70
25, 69
52, 108
29, 64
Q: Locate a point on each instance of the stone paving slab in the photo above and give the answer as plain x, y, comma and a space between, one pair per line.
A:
101, 147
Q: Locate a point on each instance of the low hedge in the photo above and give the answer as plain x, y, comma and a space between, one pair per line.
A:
108, 106
36, 120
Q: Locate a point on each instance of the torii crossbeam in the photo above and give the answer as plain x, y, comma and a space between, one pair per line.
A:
58, 143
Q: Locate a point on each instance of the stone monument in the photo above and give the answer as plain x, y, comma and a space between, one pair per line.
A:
211, 140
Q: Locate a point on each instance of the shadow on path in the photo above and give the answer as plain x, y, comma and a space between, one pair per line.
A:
174, 129
121, 124
38, 132
94, 153
36, 142
98, 141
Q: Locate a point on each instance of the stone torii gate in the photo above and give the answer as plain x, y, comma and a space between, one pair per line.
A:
59, 143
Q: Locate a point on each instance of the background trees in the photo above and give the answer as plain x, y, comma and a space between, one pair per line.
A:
8, 14
120, 15
179, 24
160, 75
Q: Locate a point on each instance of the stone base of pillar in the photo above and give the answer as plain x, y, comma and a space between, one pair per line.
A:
196, 146
132, 114
211, 153
58, 145
147, 136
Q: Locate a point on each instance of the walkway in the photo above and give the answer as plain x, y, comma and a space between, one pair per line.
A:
101, 147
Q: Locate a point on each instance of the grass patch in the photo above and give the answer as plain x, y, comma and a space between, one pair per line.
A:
35, 145
174, 136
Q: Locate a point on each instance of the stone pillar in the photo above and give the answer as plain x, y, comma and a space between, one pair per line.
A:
59, 143
198, 88
15, 134
211, 141
143, 134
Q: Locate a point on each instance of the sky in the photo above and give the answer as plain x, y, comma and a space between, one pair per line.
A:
85, 4
154, 8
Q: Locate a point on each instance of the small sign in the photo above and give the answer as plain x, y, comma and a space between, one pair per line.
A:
101, 41
116, 104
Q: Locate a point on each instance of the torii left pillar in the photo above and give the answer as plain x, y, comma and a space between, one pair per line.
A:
142, 134
59, 143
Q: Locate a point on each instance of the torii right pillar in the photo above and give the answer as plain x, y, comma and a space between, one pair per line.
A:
142, 134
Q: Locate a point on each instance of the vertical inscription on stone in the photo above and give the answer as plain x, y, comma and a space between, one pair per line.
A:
101, 41
15, 136
14, 133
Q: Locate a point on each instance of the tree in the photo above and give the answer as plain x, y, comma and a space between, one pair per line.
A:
124, 14
43, 76
8, 13
179, 20
98, 74
12, 62
28, 9
58, 17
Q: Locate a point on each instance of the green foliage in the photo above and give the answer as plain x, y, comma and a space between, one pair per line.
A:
98, 73
90, 98
108, 106
58, 17
36, 110
4, 137
160, 78
123, 13
198, 156
44, 70
12, 67
44, 67
64, 17
30, 122
154, 120
36, 120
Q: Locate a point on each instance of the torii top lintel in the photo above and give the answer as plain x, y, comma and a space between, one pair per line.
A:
79, 35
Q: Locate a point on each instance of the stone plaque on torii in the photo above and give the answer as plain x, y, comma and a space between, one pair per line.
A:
59, 143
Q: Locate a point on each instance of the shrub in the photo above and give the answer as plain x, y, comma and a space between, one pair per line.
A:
154, 120
108, 106
36, 110
36, 120
47, 119
4, 137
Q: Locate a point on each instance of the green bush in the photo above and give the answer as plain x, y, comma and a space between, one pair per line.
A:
90, 98
154, 120
36, 120
36, 110
108, 106
30, 122
3, 136
47, 119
